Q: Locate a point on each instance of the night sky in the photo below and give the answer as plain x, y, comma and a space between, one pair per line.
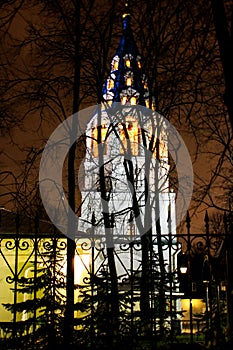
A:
180, 56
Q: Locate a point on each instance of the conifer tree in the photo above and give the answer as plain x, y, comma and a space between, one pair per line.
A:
42, 309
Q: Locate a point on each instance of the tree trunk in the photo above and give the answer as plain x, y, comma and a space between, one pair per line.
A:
225, 41
71, 246
108, 227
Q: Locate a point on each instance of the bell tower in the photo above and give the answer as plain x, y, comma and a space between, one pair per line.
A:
125, 128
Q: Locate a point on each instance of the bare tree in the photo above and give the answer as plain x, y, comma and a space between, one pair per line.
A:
223, 22
63, 61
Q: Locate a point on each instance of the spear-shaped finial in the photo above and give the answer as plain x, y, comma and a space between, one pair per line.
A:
188, 220
207, 222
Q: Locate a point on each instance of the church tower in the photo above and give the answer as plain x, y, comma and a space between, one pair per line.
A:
126, 82
127, 140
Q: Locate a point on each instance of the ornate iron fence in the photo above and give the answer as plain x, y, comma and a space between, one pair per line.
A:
204, 258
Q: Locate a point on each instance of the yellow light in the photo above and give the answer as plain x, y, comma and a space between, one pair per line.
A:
127, 63
223, 286
131, 134
128, 81
124, 100
198, 306
115, 65
94, 138
81, 263
110, 84
183, 269
125, 14
139, 64
133, 101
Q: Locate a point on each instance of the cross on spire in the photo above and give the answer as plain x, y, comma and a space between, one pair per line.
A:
126, 9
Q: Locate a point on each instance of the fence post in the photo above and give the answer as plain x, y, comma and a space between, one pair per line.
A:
188, 221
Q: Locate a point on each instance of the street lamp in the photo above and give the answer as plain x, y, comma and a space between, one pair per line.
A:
184, 270
183, 264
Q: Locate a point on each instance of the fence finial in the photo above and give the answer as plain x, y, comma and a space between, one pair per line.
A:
188, 220
206, 222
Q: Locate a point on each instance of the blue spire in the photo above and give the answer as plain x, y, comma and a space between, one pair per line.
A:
126, 83
127, 44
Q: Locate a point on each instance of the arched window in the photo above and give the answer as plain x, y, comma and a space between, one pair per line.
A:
94, 140
129, 81
115, 63
110, 84
131, 229
123, 100
133, 100
129, 135
127, 63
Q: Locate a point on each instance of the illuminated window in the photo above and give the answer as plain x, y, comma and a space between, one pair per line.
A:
129, 135
139, 64
115, 64
147, 103
110, 84
94, 145
133, 101
94, 140
153, 106
127, 63
139, 141
131, 229
128, 81
123, 100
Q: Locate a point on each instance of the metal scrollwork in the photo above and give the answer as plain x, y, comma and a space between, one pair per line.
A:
86, 245
61, 245
86, 280
99, 245
137, 246
47, 245
10, 279
23, 245
124, 246
10, 245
